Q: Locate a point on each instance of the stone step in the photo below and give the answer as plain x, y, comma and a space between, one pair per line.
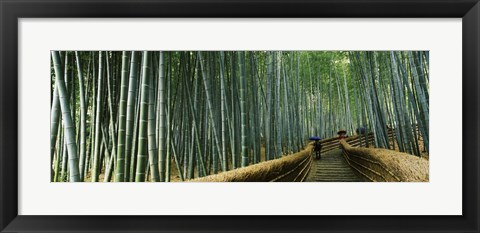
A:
332, 167
334, 173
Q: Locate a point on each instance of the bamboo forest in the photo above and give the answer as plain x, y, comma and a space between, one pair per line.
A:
239, 116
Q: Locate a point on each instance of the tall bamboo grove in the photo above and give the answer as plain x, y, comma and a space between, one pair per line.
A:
162, 116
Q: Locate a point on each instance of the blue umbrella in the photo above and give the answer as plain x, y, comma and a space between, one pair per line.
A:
314, 138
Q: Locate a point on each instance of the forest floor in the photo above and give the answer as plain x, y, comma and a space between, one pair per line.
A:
175, 177
175, 174
101, 177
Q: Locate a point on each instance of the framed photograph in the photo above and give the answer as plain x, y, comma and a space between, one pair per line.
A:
310, 116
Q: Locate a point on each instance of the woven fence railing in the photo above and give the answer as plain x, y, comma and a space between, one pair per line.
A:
291, 168
333, 143
384, 165
355, 141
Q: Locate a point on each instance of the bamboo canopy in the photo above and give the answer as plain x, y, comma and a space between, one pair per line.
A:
136, 116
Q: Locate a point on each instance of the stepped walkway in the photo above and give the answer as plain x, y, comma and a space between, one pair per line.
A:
332, 167
342, 161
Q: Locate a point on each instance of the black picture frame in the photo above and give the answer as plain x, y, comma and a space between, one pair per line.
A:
11, 11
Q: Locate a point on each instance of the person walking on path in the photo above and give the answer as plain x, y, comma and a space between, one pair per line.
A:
317, 148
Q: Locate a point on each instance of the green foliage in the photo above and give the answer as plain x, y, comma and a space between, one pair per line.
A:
172, 115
